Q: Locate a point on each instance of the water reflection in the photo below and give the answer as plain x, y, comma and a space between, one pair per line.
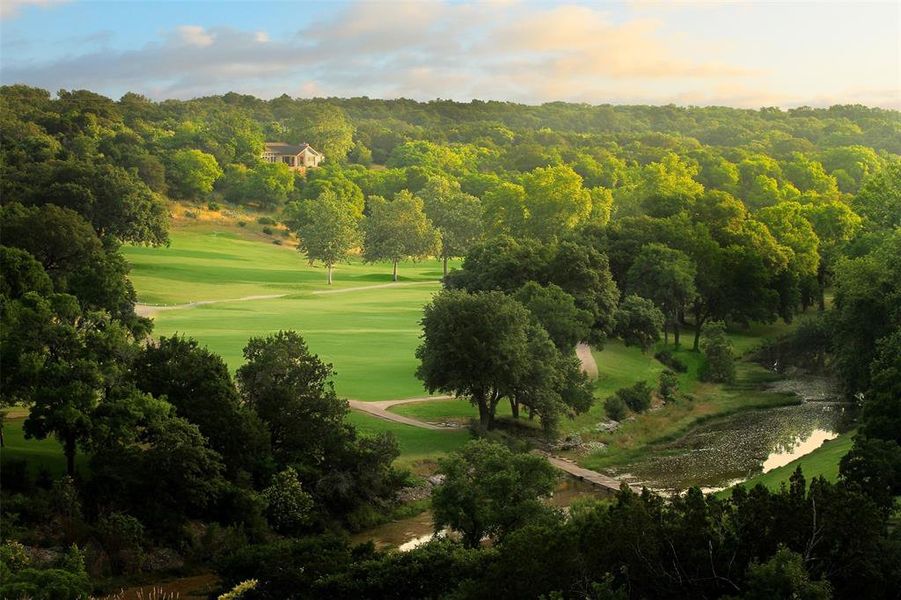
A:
729, 450
407, 534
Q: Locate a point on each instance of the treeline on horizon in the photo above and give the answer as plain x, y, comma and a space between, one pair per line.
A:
581, 222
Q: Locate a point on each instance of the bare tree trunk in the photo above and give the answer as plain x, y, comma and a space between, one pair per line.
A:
394, 275
665, 332
329, 265
514, 407
445, 265
676, 333
482, 403
699, 322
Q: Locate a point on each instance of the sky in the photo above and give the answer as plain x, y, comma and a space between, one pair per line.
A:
689, 52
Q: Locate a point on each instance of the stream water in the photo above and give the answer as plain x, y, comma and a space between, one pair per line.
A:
715, 455
406, 534
729, 450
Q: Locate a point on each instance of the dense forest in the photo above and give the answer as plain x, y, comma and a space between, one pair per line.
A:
574, 222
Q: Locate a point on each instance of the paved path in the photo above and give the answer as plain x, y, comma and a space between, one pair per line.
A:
583, 351
380, 410
589, 366
148, 310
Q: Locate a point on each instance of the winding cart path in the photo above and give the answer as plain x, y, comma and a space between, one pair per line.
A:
589, 366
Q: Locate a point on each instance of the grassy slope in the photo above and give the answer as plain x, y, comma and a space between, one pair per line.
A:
415, 444
821, 462
41, 455
619, 366
368, 335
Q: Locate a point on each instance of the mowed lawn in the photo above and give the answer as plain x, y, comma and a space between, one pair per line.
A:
365, 325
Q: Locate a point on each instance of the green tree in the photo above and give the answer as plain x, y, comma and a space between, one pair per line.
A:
288, 505
269, 184
835, 225
199, 386
327, 229
323, 126
504, 209
638, 322
192, 173
556, 311
457, 216
719, 360
667, 277
879, 198
783, 577
398, 230
555, 200
475, 346
490, 491
292, 392
667, 385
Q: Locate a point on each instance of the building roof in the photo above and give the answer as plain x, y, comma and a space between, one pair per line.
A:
285, 149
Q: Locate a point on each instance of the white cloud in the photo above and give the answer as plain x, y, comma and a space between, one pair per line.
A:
195, 35
11, 8
488, 50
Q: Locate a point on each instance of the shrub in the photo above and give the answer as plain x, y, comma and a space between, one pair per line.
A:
289, 506
636, 397
68, 580
277, 242
667, 385
267, 230
666, 357
213, 206
122, 537
615, 408
242, 223
266, 220
719, 362
190, 214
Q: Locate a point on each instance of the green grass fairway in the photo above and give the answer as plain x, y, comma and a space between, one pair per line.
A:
822, 462
41, 455
369, 335
415, 444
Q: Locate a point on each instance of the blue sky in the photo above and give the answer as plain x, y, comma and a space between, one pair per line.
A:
636, 51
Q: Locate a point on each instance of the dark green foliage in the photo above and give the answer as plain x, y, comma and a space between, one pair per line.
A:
881, 406
122, 538
873, 466
637, 397
288, 568
199, 386
292, 392
666, 357
557, 313
66, 581
667, 385
434, 569
638, 322
784, 577
21, 273
615, 408
490, 491
719, 361
485, 347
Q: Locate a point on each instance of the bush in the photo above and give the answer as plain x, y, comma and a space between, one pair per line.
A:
719, 362
277, 242
267, 230
266, 221
666, 357
667, 386
68, 580
122, 537
615, 408
288, 505
242, 223
636, 397
190, 214
213, 206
